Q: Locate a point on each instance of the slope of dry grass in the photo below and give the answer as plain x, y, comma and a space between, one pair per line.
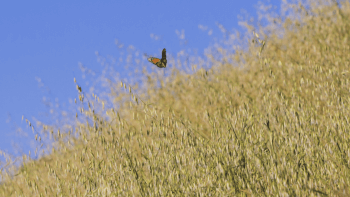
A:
273, 124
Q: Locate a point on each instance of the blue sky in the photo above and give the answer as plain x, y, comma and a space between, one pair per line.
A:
42, 42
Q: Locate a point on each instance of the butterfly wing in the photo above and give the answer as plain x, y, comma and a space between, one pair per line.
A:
153, 60
163, 60
164, 54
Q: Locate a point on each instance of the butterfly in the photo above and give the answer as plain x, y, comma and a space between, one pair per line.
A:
161, 63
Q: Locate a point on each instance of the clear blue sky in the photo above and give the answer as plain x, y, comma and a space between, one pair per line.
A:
47, 39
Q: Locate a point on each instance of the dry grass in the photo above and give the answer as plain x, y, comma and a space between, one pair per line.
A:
275, 125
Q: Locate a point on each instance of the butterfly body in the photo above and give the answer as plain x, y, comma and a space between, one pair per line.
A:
161, 63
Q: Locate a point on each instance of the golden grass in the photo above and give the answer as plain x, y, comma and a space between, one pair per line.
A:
273, 123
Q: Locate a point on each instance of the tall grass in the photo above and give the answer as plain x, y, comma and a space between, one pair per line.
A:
270, 119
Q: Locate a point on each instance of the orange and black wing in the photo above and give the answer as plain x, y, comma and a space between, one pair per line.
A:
155, 60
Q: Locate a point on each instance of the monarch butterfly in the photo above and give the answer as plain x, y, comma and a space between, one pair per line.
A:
161, 63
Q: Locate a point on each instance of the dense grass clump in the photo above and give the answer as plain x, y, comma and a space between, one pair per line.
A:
272, 120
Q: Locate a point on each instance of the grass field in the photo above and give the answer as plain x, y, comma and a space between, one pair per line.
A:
271, 119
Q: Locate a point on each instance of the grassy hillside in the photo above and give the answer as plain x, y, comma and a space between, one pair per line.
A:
270, 120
